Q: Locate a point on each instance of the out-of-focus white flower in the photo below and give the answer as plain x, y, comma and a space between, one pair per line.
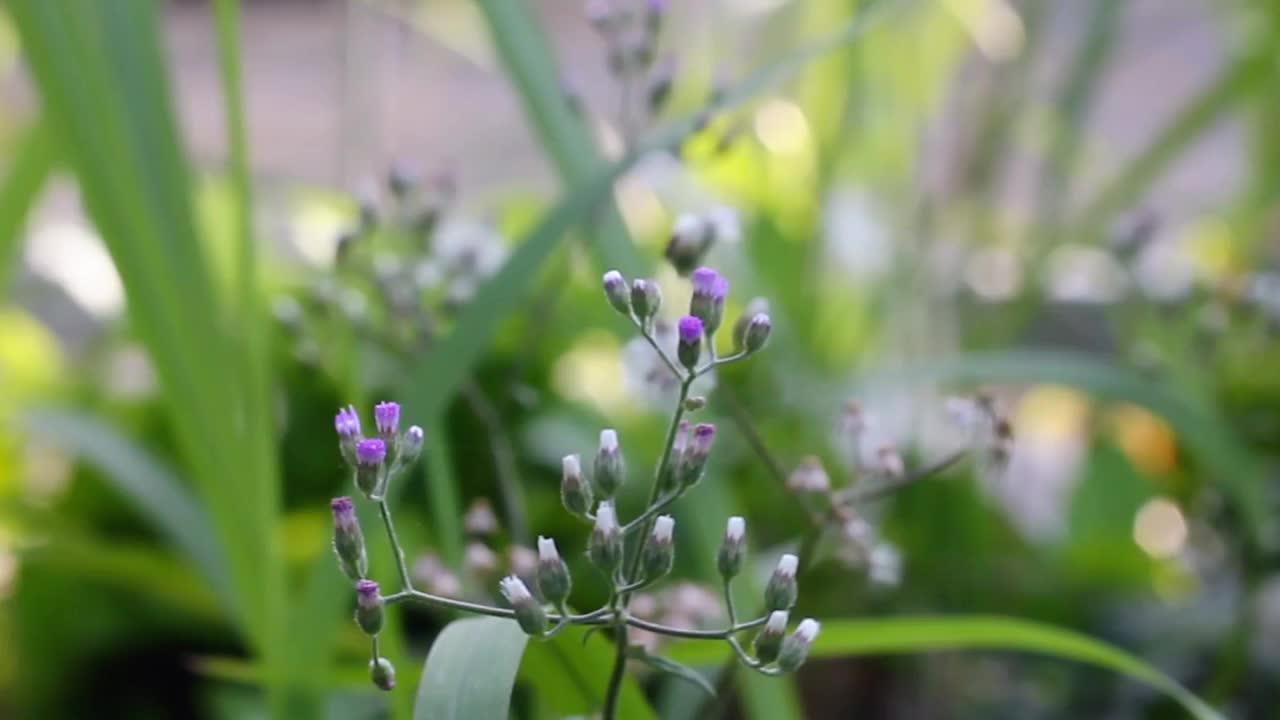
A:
469, 248
648, 379
884, 564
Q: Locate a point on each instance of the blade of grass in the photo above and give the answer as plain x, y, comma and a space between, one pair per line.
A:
101, 79
881, 636
1236, 82
28, 172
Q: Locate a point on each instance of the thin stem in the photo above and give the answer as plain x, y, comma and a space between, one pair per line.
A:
374, 648
406, 582
728, 603
652, 512
856, 495
695, 634
653, 343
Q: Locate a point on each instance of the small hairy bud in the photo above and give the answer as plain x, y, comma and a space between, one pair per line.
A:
733, 549
348, 541
660, 551
795, 650
691, 238
370, 465
615, 289
809, 477
369, 607
755, 306
781, 592
347, 423
383, 674
707, 303
769, 642
575, 493
553, 575
695, 403
646, 298
529, 614
610, 467
605, 546
411, 445
757, 332
694, 459
689, 348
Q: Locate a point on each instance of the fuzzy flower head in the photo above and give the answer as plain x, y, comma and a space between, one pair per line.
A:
606, 518
347, 422
367, 593
386, 416
787, 565
547, 551
663, 528
515, 591
777, 622
690, 329
735, 530
344, 513
807, 630
371, 452
710, 284
703, 435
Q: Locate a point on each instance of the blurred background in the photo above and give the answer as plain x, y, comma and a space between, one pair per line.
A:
221, 221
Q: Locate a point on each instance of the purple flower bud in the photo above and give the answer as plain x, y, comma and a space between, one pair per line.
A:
366, 593
344, 514
371, 452
347, 423
386, 416
690, 330
615, 289
689, 469
710, 283
369, 607
348, 541
703, 435
707, 304
690, 347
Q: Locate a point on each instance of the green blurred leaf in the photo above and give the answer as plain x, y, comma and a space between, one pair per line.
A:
28, 172
470, 671
847, 638
1195, 423
571, 671
671, 667
144, 481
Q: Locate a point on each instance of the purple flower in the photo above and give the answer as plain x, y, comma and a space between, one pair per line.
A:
703, 435
386, 415
710, 284
690, 329
367, 593
344, 513
371, 452
347, 422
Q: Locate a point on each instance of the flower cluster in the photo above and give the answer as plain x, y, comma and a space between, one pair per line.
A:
630, 556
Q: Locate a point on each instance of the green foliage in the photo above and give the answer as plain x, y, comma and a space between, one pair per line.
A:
470, 671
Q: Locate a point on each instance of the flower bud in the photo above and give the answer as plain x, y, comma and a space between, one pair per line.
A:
733, 549
480, 519
795, 650
386, 415
370, 467
757, 332
347, 423
553, 575
605, 546
348, 541
575, 493
411, 444
610, 467
669, 478
369, 607
809, 477
660, 551
694, 459
383, 673
615, 289
707, 304
769, 642
780, 593
529, 614
691, 238
695, 403
690, 346
755, 306
646, 298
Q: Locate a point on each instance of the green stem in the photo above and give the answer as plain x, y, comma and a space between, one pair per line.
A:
406, 583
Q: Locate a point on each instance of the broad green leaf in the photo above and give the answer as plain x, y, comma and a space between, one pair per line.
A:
471, 671
570, 672
1196, 424
847, 638
144, 481
20, 189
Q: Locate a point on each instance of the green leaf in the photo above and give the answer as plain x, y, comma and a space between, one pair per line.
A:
471, 671
570, 672
847, 638
28, 172
142, 480
671, 667
1196, 424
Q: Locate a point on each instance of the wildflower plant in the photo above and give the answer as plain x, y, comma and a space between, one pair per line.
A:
630, 555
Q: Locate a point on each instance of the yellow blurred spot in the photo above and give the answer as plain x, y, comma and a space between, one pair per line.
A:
30, 358
316, 224
782, 128
297, 534
641, 207
1145, 439
591, 372
1051, 412
1211, 244
1160, 529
